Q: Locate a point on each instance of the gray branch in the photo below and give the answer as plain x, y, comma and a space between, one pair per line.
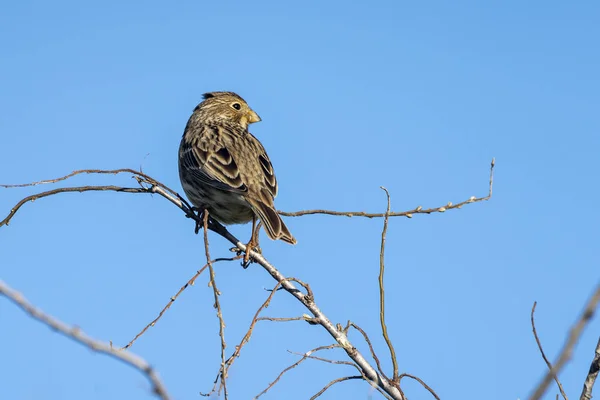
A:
77, 335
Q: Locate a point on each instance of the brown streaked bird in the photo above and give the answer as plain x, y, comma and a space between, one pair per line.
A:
226, 170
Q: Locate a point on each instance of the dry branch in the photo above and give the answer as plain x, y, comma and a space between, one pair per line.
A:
537, 339
358, 328
408, 214
190, 282
382, 291
421, 382
339, 362
294, 365
224, 369
74, 333
217, 306
590, 379
149, 185
333, 382
283, 319
567, 350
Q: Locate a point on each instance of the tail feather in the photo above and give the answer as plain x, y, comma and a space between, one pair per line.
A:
272, 222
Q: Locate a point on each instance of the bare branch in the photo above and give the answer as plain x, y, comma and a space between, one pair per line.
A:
333, 382
408, 214
172, 299
77, 335
307, 299
81, 171
248, 334
339, 362
537, 339
217, 305
567, 350
281, 319
588, 385
79, 189
326, 360
421, 382
294, 365
382, 290
358, 328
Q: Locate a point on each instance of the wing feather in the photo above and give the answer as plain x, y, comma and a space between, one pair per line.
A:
205, 157
268, 172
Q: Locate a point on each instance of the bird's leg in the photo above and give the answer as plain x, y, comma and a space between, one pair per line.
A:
252, 244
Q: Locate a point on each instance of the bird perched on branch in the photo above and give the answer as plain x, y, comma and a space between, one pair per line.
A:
226, 170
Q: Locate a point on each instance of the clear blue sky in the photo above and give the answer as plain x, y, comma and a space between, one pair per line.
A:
415, 96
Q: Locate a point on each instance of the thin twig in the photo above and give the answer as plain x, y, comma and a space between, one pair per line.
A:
382, 291
217, 305
326, 360
281, 319
408, 214
333, 382
79, 189
77, 335
81, 171
190, 282
567, 350
339, 362
358, 328
139, 173
224, 370
309, 293
537, 339
294, 365
248, 334
588, 385
421, 382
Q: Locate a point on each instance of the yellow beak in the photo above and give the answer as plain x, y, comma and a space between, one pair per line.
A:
253, 117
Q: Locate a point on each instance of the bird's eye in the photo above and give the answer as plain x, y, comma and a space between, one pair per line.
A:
237, 106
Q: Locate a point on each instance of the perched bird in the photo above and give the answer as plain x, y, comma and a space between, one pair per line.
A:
226, 170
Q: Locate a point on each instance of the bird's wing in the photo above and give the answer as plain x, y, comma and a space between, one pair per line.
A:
270, 181
206, 158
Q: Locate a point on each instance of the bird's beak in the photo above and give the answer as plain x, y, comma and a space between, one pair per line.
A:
253, 117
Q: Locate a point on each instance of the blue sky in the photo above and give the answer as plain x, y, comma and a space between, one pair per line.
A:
415, 96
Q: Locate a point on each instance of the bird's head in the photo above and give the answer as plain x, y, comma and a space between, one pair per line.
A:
228, 107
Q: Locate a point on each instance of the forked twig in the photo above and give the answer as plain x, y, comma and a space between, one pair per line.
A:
77, 335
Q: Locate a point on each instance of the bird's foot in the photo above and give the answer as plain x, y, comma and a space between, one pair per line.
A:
199, 216
251, 246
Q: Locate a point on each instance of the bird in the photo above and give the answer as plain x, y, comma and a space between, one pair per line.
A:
226, 171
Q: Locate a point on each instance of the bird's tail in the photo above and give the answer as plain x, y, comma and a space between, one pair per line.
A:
272, 222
